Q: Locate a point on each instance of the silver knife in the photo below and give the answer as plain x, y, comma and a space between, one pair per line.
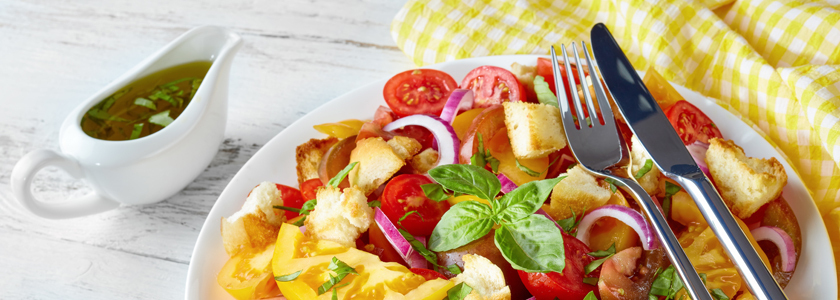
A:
649, 124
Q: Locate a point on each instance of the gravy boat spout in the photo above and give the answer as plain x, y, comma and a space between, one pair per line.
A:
151, 168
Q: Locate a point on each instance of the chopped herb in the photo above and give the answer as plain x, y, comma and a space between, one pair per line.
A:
482, 157
703, 277
299, 222
161, 119
603, 253
341, 270
454, 269
569, 224
375, 203
595, 264
335, 181
590, 296
458, 292
434, 191
172, 83
718, 294
666, 284
145, 103
645, 169
612, 183
570, 167
103, 115
308, 206
418, 246
590, 280
288, 277
291, 209
670, 190
135, 133
399, 222
195, 84
525, 169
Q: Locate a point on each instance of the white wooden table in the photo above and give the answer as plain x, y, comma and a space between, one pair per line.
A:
298, 54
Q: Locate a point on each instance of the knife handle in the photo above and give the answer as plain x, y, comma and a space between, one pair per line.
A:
668, 240
729, 233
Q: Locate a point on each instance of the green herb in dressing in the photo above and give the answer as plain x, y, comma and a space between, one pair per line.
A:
146, 105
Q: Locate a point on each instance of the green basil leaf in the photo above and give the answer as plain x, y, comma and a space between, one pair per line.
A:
454, 269
418, 246
532, 244
462, 223
162, 118
569, 224
375, 203
718, 294
145, 103
612, 183
135, 133
308, 206
399, 222
459, 291
525, 200
525, 169
544, 93
467, 179
434, 191
645, 169
341, 270
494, 163
667, 284
590, 296
335, 181
288, 277
603, 253
595, 264
478, 158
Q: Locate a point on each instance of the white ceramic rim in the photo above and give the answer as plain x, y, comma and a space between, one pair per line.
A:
815, 278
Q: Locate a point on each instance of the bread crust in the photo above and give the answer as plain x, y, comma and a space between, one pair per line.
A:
308, 157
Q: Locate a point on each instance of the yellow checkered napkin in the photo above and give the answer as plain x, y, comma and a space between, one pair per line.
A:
776, 63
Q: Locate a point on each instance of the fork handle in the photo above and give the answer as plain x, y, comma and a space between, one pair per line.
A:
723, 224
668, 240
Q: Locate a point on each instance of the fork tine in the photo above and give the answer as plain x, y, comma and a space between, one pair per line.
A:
593, 114
600, 95
563, 102
573, 88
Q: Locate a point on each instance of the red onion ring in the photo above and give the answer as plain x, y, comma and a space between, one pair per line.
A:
447, 141
782, 240
507, 184
413, 258
460, 99
698, 153
626, 215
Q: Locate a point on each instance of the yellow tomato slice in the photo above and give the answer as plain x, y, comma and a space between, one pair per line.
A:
500, 148
607, 231
661, 89
462, 122
341, 129
462, 198
247, 275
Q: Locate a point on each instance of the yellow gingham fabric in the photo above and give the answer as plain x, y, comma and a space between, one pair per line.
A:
776, 63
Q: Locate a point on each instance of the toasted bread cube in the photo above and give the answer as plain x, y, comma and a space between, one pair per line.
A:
525, 75
308, 156
745, 183
256, 224
640, 156
425, 161
535, 130
378, 160
578, 192
339, 216
486, 279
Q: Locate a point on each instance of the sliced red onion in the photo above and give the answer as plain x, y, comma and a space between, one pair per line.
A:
447, 140
698, 153
627, 215
460, 99
507, 184
547, 216
413, 258
782, 241
303, 229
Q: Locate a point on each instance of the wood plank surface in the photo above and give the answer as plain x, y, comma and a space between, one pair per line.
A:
298, 55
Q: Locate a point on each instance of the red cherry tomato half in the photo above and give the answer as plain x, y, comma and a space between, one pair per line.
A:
383, 116
569, 284
428, 274
403, 194
291, 198
420, 91
691, 123
309, 188
493, 85
419, 133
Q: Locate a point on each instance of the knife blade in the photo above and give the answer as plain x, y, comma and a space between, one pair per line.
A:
647, 121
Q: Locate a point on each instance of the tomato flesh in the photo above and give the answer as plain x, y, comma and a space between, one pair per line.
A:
568, 285
419, 133
291, 197
492, 85
309, 189
403, 194
420, 91
691, 123
428, 274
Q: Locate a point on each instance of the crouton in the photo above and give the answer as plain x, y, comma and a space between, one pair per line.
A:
525, 75
423, 162
339, 217
745, 183
485, 278
578, 192
535, 130
308, 156
256, 224
640, 156
379, 160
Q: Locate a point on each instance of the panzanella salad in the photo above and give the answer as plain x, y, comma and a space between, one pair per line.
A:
469, 191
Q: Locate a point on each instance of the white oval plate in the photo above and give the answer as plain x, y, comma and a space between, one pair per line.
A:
815, 275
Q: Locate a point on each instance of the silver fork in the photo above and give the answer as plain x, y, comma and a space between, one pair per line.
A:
603, 152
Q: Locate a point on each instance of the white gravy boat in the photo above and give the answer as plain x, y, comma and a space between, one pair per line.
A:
151, 168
